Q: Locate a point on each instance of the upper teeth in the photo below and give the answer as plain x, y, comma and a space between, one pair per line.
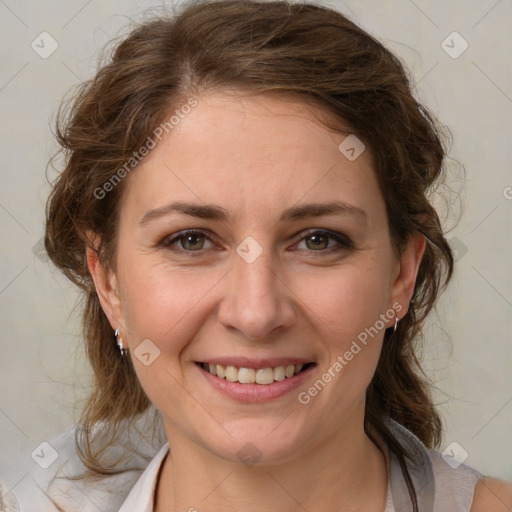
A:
250, 375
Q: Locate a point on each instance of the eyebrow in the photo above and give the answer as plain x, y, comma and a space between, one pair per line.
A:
214, 212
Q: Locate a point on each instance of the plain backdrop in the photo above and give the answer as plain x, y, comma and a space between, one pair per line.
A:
467, 344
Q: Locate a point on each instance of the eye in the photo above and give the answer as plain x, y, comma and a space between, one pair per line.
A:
315, 240
325, 241
189, 241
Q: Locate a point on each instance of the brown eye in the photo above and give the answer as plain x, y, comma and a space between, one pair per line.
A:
325, 242
187, 241
192, 242
317, 242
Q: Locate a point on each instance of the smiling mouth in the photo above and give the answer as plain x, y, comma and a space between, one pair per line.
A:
263, 376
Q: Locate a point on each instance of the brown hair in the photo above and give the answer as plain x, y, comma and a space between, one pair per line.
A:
304, 51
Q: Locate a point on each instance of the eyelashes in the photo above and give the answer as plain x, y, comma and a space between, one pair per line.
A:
190, 235
342, 241
318, 241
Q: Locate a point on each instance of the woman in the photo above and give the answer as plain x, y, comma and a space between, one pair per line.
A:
244, 205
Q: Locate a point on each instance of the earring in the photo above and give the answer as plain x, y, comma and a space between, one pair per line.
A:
396, 322
120, 343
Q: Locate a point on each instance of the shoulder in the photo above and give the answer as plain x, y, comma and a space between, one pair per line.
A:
457, 485
40, 466
472, 490
492, 495
60, 481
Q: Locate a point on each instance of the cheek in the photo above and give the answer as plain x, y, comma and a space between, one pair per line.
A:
166, 307
346, 308
351, 334
163, 304
346, 301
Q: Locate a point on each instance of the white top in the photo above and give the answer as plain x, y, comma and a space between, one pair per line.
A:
441, 485
141, 498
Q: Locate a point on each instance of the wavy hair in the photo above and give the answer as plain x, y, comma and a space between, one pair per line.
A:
303, 51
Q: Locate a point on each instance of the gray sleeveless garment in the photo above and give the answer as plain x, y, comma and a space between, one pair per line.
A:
442, 484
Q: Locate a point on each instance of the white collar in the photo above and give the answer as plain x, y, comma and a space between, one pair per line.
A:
141, 497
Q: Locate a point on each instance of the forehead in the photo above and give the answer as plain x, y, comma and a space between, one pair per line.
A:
257, 151
262, 126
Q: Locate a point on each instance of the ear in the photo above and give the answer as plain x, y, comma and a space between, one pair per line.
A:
105, 283
405, 278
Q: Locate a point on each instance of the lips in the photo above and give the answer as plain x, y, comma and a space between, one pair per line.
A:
243, 389
254, 372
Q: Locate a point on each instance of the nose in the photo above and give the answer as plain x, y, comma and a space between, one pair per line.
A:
257, 303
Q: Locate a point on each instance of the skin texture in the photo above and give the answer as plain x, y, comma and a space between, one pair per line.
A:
256, 157
492, 495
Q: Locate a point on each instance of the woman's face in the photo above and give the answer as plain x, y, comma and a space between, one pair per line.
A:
288, 261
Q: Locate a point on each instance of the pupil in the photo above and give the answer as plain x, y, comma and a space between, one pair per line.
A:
192, 241
318, 241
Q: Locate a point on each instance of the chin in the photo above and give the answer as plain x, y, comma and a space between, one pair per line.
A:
261, 442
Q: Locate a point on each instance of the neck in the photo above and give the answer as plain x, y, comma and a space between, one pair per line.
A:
346, 473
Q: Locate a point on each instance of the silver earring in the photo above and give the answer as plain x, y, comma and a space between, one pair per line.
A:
120, 343
396, 322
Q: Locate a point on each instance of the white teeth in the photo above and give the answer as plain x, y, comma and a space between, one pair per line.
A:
279, 373
221, 370
231, 373
247, 375
250, 375
264, 376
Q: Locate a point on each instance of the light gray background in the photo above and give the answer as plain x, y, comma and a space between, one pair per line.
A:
468, 349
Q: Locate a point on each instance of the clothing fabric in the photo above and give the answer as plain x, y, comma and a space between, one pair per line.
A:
439, 486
